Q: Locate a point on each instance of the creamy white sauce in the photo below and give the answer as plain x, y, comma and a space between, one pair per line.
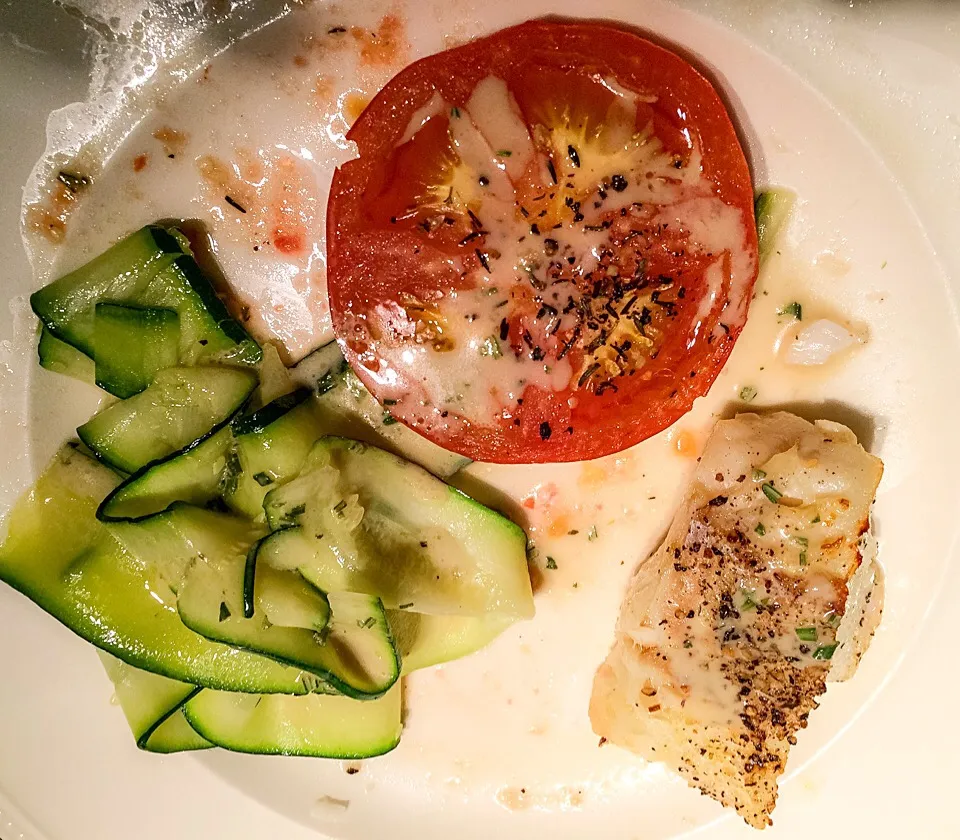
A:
480, 370
494, 111
436, 106
717, 229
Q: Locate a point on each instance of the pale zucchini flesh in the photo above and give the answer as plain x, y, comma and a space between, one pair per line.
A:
427, 640
153, 708
316, 725
271, 446
119, 602
183, 406
347, 409
350, 652
193, 476
66, 306
175, 734
59, 357
367, 521
132, 345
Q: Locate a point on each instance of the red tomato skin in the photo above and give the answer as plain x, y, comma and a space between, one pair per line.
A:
598, 425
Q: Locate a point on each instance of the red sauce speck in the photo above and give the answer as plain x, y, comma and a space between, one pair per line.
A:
288, 243
388, 45
139, 163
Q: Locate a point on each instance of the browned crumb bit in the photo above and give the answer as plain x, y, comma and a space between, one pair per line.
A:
48, 216
173, 141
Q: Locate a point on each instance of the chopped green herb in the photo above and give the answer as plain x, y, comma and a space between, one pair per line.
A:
491, 347
807, 634
759, 475
592, 533
325, 383
455, 112
760, 530
390, 402
748, 393
687, 643
883, 264
230, 476
73, 182
503, 153
771, 492
815, 519
803, 558
832, 619
388, 419
575, 585
585, 376
825, 652
224, 611
296, 510
367, 623
551, 563
339, 506
404, 606
801, 541
792, 310
263, 478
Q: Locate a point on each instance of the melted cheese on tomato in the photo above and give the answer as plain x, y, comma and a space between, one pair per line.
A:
467, 360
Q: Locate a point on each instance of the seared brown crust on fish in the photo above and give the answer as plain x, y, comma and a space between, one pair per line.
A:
728, 632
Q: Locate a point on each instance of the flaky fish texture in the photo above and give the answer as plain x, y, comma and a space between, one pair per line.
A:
764, 588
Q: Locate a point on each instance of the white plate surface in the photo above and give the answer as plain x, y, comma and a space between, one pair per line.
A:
863, 133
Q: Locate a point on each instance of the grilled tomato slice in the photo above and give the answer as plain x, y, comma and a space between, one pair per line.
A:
546, 248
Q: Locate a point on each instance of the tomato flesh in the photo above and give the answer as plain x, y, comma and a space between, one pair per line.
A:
546, 248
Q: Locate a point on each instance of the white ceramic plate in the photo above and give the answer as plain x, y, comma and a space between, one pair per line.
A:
864, 127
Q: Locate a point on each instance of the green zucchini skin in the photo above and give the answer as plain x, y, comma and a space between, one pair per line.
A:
152, 268
257, 422
129, 435
319, 726
193, 475
772, 208
66, 306
153, 707
271, 445
59, 357
133, 344
346, 408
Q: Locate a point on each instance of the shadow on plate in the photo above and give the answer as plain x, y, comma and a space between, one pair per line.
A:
866, 427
